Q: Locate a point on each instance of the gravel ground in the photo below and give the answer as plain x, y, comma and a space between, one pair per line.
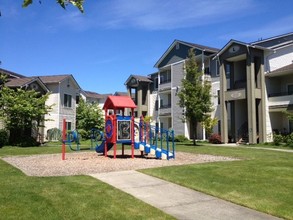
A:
83, 163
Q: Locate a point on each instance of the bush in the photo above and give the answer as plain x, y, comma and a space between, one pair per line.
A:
84, 134
180, 138
3, 137
289, 140
24, 141
215, 139
278, 139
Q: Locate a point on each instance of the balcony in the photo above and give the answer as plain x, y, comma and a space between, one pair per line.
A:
280, 99
165, 106
165, 109
235, 94
165, 87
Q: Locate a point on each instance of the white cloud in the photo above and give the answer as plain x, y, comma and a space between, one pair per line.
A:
172, 14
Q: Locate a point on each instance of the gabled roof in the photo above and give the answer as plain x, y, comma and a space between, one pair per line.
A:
232, 41
200, 47
284, 39
10, 74
25, 82
53, 79
119, 102
139, 78
192, 45
19, 82
90, 94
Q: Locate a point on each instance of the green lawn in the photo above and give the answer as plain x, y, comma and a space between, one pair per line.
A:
262, 180
72, 197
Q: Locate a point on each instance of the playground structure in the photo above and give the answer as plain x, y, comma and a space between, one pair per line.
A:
124, 130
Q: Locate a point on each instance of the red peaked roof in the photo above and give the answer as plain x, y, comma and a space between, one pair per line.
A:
113, 102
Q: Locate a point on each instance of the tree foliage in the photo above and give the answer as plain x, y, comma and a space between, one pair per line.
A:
194, 96
19, 108
88, 116
289, 115
208, 124
62, 3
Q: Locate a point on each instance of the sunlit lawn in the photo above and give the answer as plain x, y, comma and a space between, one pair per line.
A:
262, 179
71, 197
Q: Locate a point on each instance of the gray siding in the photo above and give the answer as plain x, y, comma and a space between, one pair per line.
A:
177, 75
214, 68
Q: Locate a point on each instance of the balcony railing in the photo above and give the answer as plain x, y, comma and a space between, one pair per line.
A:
163, 81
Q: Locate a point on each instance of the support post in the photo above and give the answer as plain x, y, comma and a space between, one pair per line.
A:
132, 133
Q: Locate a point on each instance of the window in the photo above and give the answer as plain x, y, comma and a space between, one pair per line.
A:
165, 76
290, 89
217, 68
156, 105
68, 126
67, 101
218, 93
207, 70
156, 83
228, 70
169, 100
290, 126
77, 98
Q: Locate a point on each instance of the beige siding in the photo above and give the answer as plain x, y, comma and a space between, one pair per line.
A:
59, 111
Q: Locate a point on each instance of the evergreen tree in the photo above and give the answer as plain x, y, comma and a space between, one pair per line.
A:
194, 96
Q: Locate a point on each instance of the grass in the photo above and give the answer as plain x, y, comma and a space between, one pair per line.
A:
71, 197
262, 180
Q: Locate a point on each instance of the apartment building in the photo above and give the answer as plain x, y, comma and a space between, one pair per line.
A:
64, 91
256, 88
156, 94
252, 88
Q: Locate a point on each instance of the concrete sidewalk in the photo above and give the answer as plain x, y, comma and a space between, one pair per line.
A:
178, 201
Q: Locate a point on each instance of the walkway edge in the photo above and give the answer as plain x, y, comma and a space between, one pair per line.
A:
175, 200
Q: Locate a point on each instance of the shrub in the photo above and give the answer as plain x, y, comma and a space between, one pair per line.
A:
27, 141
215, 139
180, 138
278, 139
289, 140
3, 137
83, 134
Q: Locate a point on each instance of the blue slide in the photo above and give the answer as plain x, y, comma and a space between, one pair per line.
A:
101, 148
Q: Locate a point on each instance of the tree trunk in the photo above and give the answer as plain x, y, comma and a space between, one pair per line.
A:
194, 125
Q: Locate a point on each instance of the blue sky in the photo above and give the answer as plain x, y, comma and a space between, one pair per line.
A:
116, 38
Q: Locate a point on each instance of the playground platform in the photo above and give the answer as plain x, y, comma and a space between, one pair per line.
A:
178, 201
